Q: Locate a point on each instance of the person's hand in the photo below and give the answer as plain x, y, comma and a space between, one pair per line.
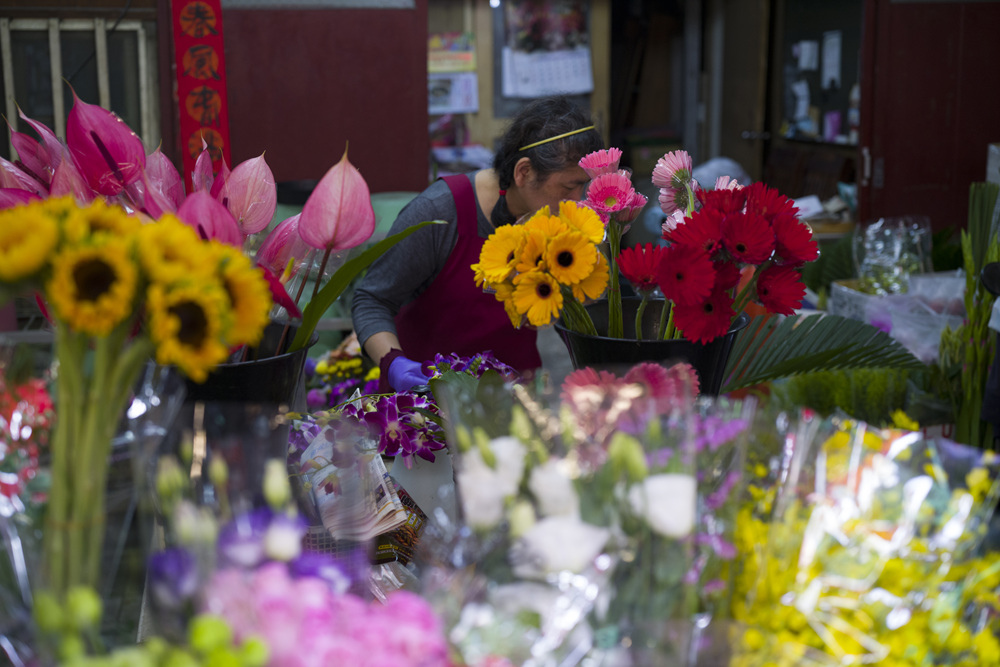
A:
400, 373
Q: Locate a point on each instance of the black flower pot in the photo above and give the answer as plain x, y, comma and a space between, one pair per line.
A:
708, 359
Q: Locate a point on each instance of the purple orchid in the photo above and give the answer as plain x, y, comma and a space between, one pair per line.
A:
173, 577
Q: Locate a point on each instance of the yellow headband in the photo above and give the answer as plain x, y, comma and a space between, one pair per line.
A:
558, 136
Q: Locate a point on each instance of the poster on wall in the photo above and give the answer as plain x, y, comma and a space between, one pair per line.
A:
201, 82
453, 92
546, 48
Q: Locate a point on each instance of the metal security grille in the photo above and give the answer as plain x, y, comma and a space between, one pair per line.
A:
110, 64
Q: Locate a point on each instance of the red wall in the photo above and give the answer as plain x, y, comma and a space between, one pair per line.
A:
302, 83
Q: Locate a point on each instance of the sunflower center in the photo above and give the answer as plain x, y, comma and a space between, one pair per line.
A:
565, 259
544, 290
194, 324
93, 279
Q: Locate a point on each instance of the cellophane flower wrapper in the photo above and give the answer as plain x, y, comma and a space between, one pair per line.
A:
577, 514
873, 550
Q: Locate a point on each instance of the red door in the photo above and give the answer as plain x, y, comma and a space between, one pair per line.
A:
930, 104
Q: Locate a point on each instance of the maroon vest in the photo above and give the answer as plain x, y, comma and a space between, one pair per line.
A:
453, 314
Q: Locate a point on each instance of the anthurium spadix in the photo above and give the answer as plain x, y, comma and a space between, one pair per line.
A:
250, 194
338, 214
210, 218
109, 154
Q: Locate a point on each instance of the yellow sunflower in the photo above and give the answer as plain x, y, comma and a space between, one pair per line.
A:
59, 208
570, 257
532, 255
93, 287
583, 219
499, 253
169, 250
593, 286
28, 236
96, 219
186, 323
537, 295
248, 292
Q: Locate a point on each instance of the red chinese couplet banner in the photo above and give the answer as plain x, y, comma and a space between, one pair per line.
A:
201, 82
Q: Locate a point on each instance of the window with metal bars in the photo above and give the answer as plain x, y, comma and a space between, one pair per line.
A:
107, 63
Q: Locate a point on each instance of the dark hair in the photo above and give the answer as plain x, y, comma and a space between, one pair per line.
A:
543, 119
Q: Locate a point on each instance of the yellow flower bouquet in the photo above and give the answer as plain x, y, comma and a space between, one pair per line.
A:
547, 266
119, 291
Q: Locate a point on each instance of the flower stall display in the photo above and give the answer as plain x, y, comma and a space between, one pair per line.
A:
873, 553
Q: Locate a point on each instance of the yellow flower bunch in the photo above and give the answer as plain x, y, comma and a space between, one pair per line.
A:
872, 560
547, 266
104, 272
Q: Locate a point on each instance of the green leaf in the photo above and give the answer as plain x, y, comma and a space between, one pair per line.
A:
772, 347
342, 278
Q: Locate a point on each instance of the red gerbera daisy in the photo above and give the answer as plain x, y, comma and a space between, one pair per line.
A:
793, 240
780, 289
747, 237
768, 202
725, 200
702, 229
639, 266
685, 274
727, 275
706, 320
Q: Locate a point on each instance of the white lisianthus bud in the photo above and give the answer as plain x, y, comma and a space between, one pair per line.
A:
283, 539
277, 490
554, 490
666, 502
521, 518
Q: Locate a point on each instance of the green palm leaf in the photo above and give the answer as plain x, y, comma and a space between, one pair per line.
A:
772, 347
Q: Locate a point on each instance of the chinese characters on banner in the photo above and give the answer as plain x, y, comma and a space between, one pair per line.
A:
201, 82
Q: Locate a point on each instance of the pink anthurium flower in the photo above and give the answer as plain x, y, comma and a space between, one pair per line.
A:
250, 194
11, 197
32, 156
202, 176
107, 151
281, 245
12, 176
67, 180
339, 213
161, 175
220, 180
210, 218
54, 148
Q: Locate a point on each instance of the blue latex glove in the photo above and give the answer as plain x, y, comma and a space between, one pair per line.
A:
404, 374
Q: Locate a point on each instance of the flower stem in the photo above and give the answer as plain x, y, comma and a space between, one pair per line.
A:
576, 316
669, 330
638, 316
615, 324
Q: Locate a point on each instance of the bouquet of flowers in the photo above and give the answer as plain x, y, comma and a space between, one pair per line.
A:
873, 552
609, 466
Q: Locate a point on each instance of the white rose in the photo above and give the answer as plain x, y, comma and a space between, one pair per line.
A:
554, 490
557, 544
667, 502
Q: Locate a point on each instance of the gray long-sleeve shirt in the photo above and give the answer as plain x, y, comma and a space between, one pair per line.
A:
410, 266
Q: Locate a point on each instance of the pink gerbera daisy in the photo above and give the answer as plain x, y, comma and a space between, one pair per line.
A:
780, 289
685, 274
706, 320
793, 240
747, 237
601, 162
768, 202
610, 193
673, 220
666, 386
633, 208
672, 174
702, 229
640, 264
726, 183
